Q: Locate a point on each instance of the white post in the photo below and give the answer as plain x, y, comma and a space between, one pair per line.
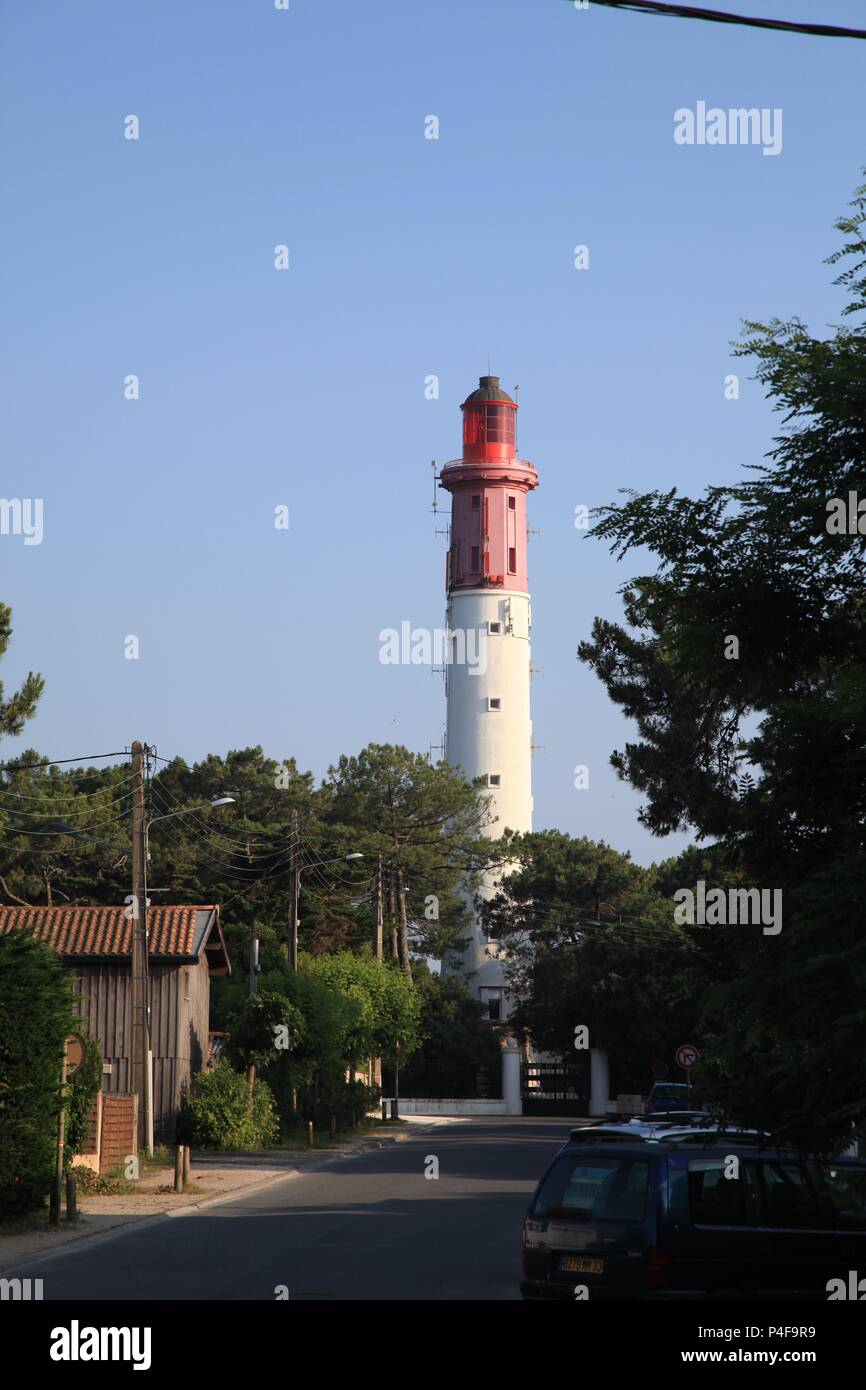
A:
511, 1079
599, 1081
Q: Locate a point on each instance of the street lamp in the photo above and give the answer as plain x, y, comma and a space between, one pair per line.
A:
297, 870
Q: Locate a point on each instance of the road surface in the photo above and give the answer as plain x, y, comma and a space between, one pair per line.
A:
370, 1226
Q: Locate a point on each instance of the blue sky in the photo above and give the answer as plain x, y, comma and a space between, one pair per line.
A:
409, 257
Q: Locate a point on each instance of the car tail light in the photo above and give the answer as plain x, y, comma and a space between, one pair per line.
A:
657, 1262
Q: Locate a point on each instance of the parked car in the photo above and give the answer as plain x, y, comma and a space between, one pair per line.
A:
669, 1095
666, 1215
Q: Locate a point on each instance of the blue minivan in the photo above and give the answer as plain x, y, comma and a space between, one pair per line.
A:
634, 1214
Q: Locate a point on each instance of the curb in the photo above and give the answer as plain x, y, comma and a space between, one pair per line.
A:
139, 1222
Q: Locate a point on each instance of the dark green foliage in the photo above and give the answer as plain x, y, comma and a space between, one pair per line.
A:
18, 708
266, 1025
424, 820
766, 754
36, 1014
217, 1113
592, 942
457, 1041
339, 1012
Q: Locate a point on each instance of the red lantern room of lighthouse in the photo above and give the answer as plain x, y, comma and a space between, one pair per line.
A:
488, 486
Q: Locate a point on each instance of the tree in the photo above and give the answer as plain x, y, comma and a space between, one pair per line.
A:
457, 1041
389, 1007
40, 863
18, 708
424, 819
266, 1025
592, 944
743, 665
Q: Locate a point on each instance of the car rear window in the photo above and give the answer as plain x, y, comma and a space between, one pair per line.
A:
672, 1091
598, 1187
846, 1187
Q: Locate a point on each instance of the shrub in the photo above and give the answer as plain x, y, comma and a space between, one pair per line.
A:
218, 1115
83, 1088
35, 1016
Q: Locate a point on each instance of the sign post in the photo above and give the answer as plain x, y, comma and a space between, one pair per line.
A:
73, 1056
687, 1054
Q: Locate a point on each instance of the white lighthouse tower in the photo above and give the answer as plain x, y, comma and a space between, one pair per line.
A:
489, 730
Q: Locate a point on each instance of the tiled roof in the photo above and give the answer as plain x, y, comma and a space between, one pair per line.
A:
106, 932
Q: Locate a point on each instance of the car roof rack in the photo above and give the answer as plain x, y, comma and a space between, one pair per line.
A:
587, 1134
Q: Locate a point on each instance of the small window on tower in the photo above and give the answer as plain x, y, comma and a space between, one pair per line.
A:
512, 503
476, 501
494, 779
512, 559
494, 702
494, 628
474, 565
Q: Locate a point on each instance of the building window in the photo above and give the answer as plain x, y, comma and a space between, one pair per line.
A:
494, 779
512, 559
512, 504
494, 702
476, 502
474, 565
494, 628
491, 1002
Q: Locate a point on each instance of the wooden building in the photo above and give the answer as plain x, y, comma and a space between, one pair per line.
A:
185, 948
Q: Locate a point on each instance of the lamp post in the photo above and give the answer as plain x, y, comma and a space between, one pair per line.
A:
297, 870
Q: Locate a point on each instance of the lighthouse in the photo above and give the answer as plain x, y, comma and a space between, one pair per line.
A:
489, 622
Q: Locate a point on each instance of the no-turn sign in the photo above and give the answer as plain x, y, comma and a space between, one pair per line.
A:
687, 1054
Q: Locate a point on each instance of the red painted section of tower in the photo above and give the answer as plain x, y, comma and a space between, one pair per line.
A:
488, 487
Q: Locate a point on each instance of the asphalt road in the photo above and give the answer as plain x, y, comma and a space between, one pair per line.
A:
371, 1226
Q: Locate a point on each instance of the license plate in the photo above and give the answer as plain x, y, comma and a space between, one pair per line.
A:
581, 1264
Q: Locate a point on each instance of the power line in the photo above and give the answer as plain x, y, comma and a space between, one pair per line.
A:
240, 837
73, 829
17, 766
6, 790
831, 31
209, 833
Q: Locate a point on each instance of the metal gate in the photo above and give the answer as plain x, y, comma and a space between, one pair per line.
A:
556, 1088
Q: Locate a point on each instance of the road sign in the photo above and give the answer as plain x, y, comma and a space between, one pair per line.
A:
74, 1053
687, 1054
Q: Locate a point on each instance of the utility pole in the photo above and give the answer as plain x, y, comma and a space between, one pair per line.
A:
295, 895
139, 1060
404, 925
254, 959
379, 951
378, 942
392, 906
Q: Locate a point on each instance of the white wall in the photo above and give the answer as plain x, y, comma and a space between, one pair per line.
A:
484, 741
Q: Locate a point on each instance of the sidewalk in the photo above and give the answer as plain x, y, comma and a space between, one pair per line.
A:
213, 1178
